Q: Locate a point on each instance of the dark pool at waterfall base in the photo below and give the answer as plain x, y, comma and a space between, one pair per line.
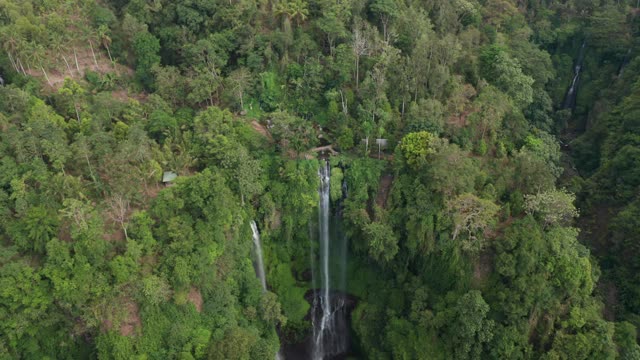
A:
341, 330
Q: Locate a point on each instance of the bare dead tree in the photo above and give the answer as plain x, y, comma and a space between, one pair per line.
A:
343, 100
360, 46
118, 211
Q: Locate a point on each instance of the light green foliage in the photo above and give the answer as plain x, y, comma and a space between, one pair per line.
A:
547, 149
553, 207
294, 307
417, 146
335, 185
155, 290
271, 93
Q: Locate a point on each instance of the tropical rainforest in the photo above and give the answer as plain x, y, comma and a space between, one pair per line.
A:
481, 161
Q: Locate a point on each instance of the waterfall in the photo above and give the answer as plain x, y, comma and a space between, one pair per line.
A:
329, 324
570, 97
259, 265
259, 261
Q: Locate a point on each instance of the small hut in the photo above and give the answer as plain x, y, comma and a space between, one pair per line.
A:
168, 177
382, 144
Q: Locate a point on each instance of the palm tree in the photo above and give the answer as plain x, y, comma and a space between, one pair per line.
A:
105, 39
294, 10
282, 8
59, 44
35, 54
298, 10
11, 44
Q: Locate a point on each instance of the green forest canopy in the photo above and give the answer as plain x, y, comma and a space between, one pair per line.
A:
497, 224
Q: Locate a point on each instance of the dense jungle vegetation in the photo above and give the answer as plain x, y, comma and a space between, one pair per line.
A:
501, 221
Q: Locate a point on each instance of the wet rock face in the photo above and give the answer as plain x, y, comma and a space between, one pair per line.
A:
349, 300
336, 343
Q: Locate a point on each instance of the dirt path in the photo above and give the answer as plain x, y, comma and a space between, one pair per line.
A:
261, 129
383, 190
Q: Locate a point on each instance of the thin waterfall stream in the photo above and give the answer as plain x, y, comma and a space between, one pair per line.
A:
259, 265
570, 97
259, 260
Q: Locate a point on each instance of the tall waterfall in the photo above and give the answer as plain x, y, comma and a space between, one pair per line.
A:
259, 261
329, 324
570, 97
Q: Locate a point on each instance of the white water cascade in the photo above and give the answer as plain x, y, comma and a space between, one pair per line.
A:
570, 97
260, 265
259, 261
329, 336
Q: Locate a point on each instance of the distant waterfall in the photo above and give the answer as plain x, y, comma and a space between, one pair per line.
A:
260, 265
570, 97
259, 261
329, 325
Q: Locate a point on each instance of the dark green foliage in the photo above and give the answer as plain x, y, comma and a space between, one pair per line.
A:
462, 238
146, 48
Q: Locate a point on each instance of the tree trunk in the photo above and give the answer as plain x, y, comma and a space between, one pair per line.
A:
15, 66
345, 109
109, 53
77, 65
93, 177
357, 71
77, 113
22, 67
46, 76
68, 67
95, 60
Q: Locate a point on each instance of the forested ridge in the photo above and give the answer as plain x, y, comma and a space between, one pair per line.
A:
484, 166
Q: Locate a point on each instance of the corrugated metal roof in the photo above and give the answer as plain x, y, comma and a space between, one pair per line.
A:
169, 176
